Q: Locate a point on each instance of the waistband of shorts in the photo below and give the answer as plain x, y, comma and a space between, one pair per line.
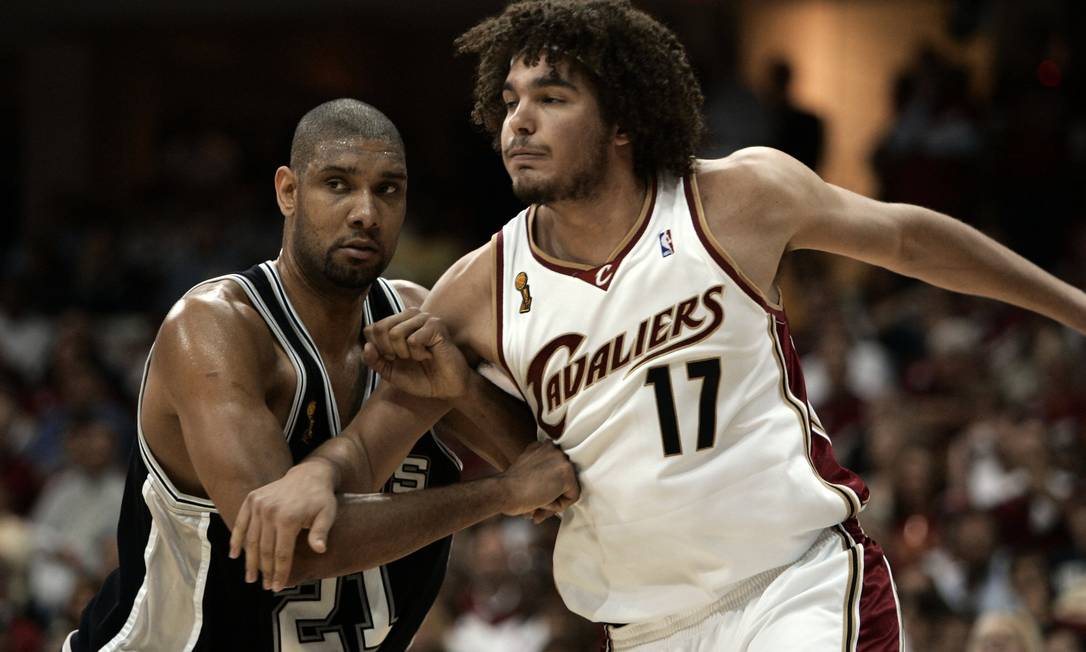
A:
737, 596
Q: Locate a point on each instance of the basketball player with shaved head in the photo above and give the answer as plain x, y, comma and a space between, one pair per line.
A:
634, 306
252, 371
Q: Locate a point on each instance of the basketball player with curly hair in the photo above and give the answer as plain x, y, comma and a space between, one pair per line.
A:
633, 305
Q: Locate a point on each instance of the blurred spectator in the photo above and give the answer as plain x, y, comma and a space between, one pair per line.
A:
792, 129
1005, 632
930, 154
972, 573
25, 333
77, 515
19, 481
79, 385
499, 603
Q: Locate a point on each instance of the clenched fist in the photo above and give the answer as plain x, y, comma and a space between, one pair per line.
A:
413, 351
541, 479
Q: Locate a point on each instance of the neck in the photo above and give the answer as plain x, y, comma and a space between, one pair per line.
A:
587, 230
332, 315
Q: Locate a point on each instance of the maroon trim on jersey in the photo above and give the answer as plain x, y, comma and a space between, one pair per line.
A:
499, 301
880, 624
821, 451
599, 276
721, 259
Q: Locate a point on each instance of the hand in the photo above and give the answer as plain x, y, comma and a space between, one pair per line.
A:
542, 514
541, 482
268, 523
413, 351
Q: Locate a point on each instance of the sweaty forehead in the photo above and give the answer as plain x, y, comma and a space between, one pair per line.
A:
348, 150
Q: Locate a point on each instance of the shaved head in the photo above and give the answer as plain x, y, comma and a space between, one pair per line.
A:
339, 120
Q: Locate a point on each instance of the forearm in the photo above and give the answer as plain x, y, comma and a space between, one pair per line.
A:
949, 254
494, 424
359, 460
374, 529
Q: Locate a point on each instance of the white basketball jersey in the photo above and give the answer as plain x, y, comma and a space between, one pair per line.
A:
672, 384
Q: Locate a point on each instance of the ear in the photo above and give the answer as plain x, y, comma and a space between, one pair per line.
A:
286, 190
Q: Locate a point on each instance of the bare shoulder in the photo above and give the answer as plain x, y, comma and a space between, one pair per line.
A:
753, 202
762, 192
756, 174
214, 320
412, 294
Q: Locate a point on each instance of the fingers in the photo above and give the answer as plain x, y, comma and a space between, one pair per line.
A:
406, 335
417, 337
380, 333
283, 557
252, 551
267, 554
372, 357
241, 524
318, 532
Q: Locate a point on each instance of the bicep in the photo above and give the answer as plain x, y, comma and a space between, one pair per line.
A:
463, 299
838, 221
213, 378
235, 446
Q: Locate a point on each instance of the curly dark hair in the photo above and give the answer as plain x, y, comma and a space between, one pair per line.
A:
639, 69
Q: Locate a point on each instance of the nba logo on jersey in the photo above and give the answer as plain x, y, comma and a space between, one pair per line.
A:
666, 248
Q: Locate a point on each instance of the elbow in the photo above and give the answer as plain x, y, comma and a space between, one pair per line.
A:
906, 248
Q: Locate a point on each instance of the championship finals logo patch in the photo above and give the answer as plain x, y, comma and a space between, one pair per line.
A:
666, 246
521, 284
310, 411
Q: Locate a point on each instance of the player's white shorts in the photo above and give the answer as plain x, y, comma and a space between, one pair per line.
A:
839, 596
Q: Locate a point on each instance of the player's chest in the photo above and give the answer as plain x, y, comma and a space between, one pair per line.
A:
302, 389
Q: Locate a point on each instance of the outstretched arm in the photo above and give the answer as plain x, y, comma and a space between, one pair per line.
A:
805, 212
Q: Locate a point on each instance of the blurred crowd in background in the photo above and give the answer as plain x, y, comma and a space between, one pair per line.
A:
966, 418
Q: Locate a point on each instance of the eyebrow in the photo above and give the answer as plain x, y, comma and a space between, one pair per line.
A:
350, 170
546, 81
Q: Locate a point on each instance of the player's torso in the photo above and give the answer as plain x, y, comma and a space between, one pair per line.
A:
666, 383
173, 544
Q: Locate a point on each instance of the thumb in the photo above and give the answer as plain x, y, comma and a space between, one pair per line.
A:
318, 532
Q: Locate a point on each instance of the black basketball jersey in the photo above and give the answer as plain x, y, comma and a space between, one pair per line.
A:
176, 587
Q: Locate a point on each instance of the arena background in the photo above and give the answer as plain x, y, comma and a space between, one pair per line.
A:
137, 151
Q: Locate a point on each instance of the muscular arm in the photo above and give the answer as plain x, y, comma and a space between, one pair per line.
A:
366, 453
213, 358
209, 369
801, 211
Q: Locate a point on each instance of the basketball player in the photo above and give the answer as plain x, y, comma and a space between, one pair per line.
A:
252, 371
633, 304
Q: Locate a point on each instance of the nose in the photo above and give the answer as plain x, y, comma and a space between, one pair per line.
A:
522, 120
364, 214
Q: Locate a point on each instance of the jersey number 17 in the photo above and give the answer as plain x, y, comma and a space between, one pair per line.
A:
708, 371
